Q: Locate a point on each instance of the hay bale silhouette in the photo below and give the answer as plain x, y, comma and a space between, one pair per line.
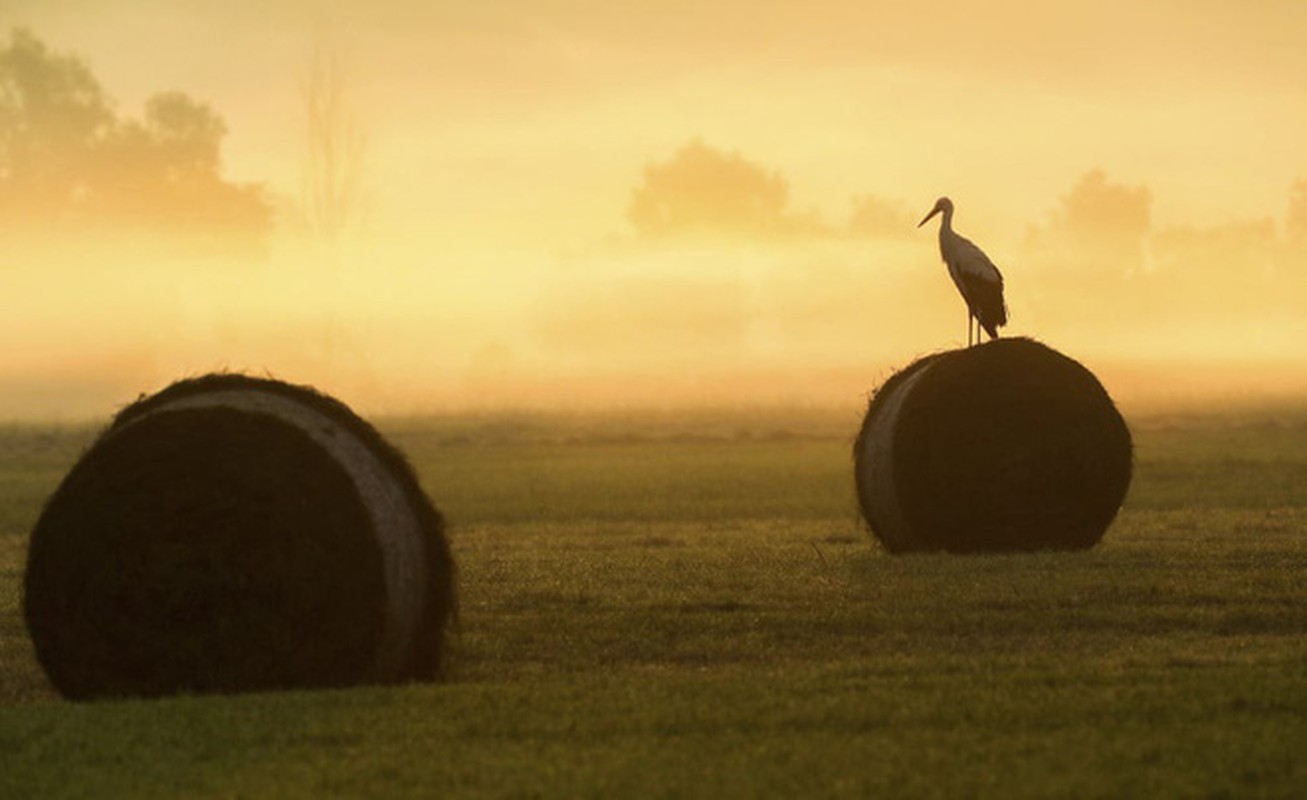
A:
1005, 446
237, 534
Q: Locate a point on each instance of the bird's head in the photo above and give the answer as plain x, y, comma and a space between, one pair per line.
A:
943, 204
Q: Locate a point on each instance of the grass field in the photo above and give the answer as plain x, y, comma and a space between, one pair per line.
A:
687, 605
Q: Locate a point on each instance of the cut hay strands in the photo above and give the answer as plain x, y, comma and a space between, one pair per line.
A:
1005, 446
234, 534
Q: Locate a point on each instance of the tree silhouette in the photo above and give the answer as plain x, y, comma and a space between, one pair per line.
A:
879, 217
702, 190
54, 118
67, 160
1102, 220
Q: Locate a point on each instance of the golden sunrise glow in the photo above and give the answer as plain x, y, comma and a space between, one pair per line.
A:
584, 203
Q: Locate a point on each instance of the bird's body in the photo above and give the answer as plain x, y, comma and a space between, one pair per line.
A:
978, 280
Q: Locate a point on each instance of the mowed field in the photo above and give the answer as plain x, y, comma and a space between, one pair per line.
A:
688, 605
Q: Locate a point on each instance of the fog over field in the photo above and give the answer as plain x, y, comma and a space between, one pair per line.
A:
424, 207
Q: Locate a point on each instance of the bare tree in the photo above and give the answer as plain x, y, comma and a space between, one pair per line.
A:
335, 149
1297, 222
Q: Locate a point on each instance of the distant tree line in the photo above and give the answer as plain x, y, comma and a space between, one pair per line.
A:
704, 190
68, 161
1096, 260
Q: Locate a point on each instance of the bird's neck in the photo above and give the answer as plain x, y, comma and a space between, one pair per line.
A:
946, 226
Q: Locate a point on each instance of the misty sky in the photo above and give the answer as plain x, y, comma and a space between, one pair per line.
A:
505, 139
537, 116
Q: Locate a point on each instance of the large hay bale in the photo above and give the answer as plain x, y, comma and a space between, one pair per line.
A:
1009, 445
237, 534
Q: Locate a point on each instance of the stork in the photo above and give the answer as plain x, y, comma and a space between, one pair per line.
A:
977, 279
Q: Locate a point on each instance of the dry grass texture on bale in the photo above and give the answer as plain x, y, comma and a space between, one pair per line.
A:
237, 534
1005, 446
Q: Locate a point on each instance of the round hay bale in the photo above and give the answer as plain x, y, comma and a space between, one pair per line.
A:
1005, 446
235, 534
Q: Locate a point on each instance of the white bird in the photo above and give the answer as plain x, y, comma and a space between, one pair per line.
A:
976, 277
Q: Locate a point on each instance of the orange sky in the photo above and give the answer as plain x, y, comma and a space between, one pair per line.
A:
504, 141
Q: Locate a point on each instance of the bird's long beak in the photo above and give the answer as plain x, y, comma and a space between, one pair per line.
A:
932, 213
